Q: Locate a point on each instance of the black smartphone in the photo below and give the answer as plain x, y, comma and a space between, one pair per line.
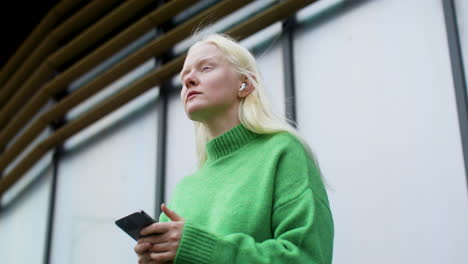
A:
132, 224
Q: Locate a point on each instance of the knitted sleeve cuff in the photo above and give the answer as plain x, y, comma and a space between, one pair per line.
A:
196, 246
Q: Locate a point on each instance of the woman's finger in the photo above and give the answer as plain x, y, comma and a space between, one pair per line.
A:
159, 247
145, 259
154, 239
162, 257
171, 214
141, 248
156, 228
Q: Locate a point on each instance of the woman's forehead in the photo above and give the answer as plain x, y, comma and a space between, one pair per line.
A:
203, 50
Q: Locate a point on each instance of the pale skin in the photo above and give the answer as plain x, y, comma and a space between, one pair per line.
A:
210, 95
161, 246
216, 104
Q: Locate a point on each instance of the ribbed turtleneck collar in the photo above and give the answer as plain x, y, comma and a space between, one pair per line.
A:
229, 142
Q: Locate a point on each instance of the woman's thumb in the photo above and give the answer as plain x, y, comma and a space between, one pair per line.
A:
171, 214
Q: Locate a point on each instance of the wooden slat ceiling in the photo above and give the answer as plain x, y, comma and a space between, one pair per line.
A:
55, 59
26, 19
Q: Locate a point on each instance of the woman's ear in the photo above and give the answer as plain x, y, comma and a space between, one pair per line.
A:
245, 89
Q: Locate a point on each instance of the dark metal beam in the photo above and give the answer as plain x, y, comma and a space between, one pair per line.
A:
161, 148
56, 156
458, 74
287, 41
52, 201
162, 108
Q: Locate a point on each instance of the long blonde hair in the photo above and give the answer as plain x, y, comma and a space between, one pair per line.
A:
255, 111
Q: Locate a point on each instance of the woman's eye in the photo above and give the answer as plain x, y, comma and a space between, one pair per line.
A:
205, 68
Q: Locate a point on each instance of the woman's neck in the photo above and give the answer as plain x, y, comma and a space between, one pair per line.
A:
220, 125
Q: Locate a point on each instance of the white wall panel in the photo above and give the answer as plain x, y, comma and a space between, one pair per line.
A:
271, 68
181, 156
270, 64
109, 176
23, 222
376, 102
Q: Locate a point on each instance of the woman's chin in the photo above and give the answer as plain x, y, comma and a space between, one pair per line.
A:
195, 113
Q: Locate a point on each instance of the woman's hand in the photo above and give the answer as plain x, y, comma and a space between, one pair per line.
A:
163, 241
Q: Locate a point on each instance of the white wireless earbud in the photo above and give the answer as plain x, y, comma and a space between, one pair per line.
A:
243, 86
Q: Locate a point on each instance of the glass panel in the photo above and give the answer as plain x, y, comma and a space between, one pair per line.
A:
25, 127
376, 102
192, 11
120, 84
322, 8
112, 89
116, 58
32, 174
229, 21
113, 119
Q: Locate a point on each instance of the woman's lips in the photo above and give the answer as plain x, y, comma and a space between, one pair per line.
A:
191, 94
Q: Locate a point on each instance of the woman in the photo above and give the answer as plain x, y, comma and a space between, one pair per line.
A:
258, 196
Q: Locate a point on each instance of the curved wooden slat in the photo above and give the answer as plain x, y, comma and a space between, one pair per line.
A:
155, 48
252, 25
32, 41
74, 24
61, 82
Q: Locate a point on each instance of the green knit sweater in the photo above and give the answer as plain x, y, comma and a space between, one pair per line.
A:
257, 199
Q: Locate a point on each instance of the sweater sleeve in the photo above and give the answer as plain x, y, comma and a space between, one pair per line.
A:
302, 224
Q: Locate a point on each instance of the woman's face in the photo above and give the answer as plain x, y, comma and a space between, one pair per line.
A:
210, 84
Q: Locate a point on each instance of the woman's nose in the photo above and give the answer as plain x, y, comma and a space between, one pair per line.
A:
190, 81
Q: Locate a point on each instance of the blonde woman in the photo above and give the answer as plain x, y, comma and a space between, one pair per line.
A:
258, 196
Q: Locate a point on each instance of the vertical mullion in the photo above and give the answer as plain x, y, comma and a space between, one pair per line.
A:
56, 156
287, 41
161, 149
1, 175
1, 195
162, 110
458, 75
163, 101
51, 213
